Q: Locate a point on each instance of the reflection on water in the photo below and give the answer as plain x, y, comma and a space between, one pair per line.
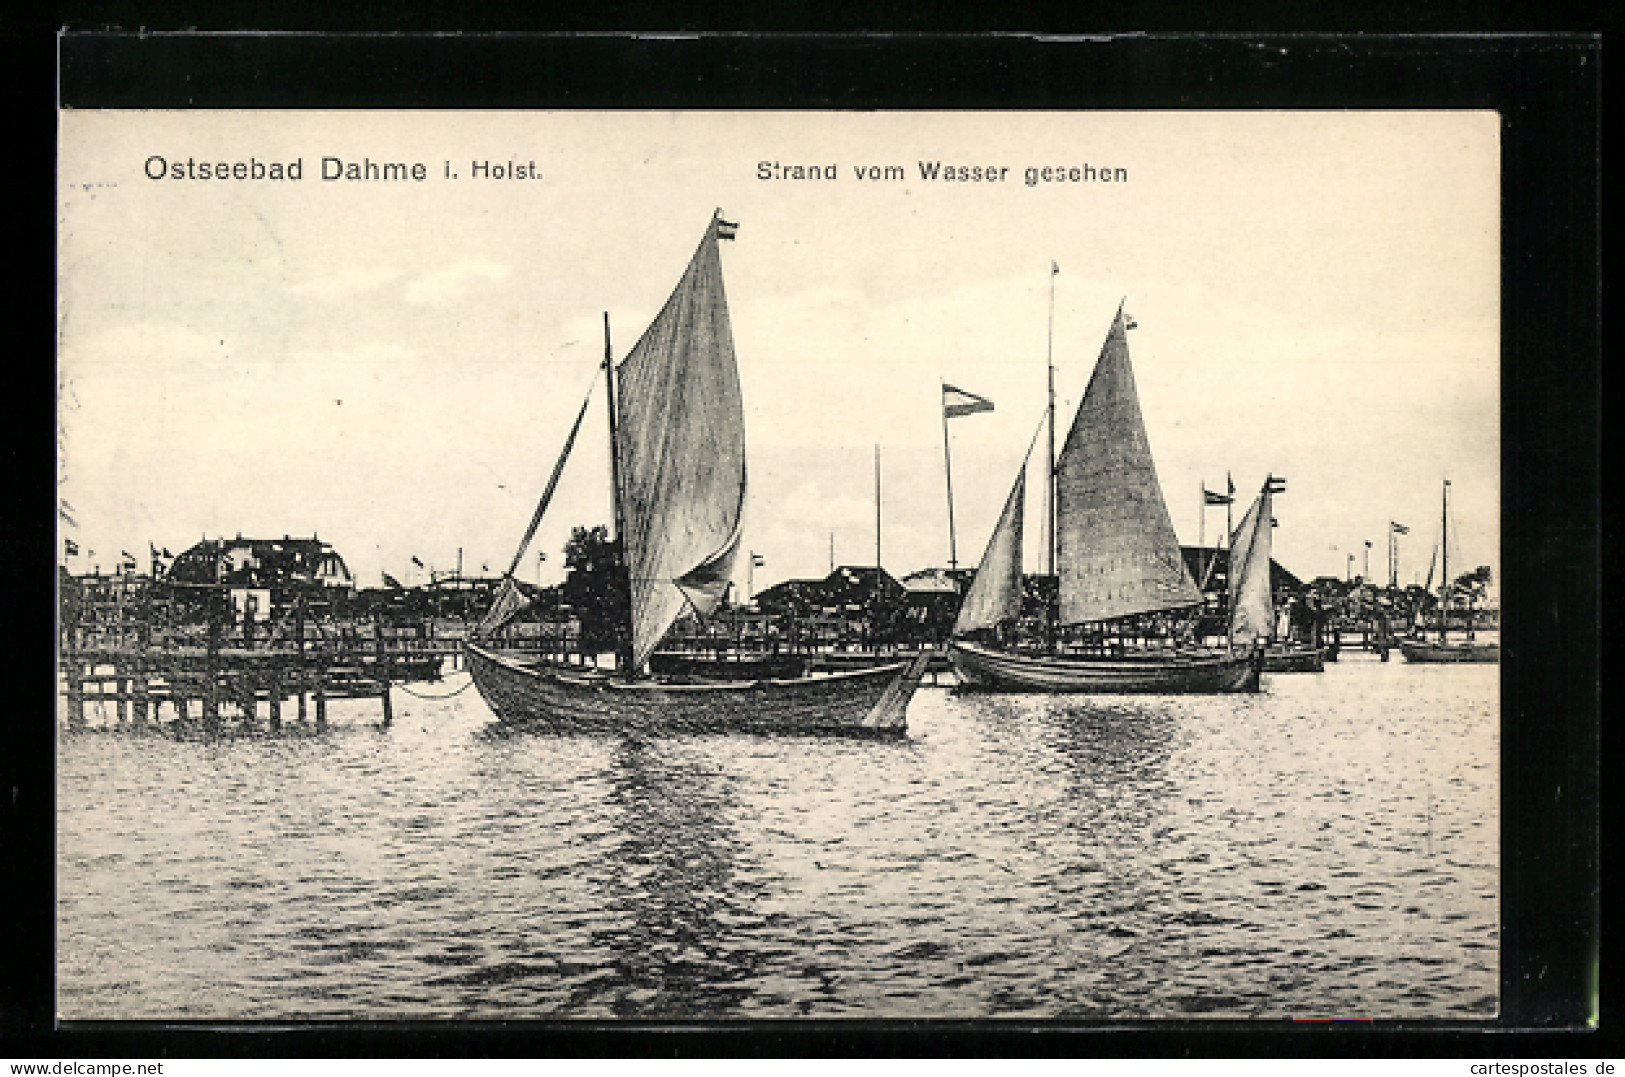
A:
1326, 848
674, 881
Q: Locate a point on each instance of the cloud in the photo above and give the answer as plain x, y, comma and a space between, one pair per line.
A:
346, 282
443, 285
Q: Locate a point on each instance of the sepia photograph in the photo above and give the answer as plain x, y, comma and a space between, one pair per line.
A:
720, 565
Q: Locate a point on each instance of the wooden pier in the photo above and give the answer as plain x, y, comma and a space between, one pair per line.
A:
212, 686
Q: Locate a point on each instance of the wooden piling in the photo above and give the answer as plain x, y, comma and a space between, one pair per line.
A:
211, 673
382, 669
274, 704
247, 705
141, 693
303, 676
76, 694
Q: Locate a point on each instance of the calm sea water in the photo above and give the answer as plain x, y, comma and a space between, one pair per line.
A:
1326, 848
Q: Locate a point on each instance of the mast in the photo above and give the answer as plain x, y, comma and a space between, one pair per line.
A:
1444, 562
1054, 604
1229, 551
623, 646
948, 473
877, 515
874, 616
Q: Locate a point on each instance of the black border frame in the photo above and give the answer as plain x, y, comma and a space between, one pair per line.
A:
1547, 88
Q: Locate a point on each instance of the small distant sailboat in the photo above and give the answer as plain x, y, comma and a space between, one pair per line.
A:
1252, 600
677, 441
1445, 650
1117, 561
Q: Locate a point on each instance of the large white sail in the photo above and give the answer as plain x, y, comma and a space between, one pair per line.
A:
1252, 607
681, 440
1117, 553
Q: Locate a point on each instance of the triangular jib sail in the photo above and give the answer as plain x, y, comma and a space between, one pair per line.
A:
1117, 553
509, 598
995, 593
681, 440
1252, 607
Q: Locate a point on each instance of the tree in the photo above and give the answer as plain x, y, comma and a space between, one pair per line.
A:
1470, 589
595, 588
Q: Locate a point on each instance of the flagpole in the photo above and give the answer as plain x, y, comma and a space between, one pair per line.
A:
948, 473
1201, 533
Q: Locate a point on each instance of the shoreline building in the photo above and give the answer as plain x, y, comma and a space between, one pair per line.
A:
267, 577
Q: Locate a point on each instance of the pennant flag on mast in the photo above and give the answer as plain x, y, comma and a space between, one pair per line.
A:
1210, 497
70, 548
957, 402
1399, 529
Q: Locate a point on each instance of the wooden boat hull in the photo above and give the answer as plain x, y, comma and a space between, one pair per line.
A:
674, 664
1294, 660
868, 702
1450, 652
992, 670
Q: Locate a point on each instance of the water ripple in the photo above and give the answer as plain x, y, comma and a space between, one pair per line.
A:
1327, 846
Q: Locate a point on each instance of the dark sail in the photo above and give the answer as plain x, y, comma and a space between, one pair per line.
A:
1117, 552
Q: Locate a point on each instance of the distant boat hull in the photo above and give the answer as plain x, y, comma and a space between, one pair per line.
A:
1439, 653
1175, 674
552, 698
1294, 658
831, 661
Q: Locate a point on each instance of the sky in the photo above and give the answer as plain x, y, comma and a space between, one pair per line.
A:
393, 365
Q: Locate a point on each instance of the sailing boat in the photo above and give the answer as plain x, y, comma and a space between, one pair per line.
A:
1444, 649
1252, 602
677, 441
1117, 560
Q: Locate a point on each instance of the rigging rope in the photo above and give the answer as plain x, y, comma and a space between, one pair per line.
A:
419, 695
